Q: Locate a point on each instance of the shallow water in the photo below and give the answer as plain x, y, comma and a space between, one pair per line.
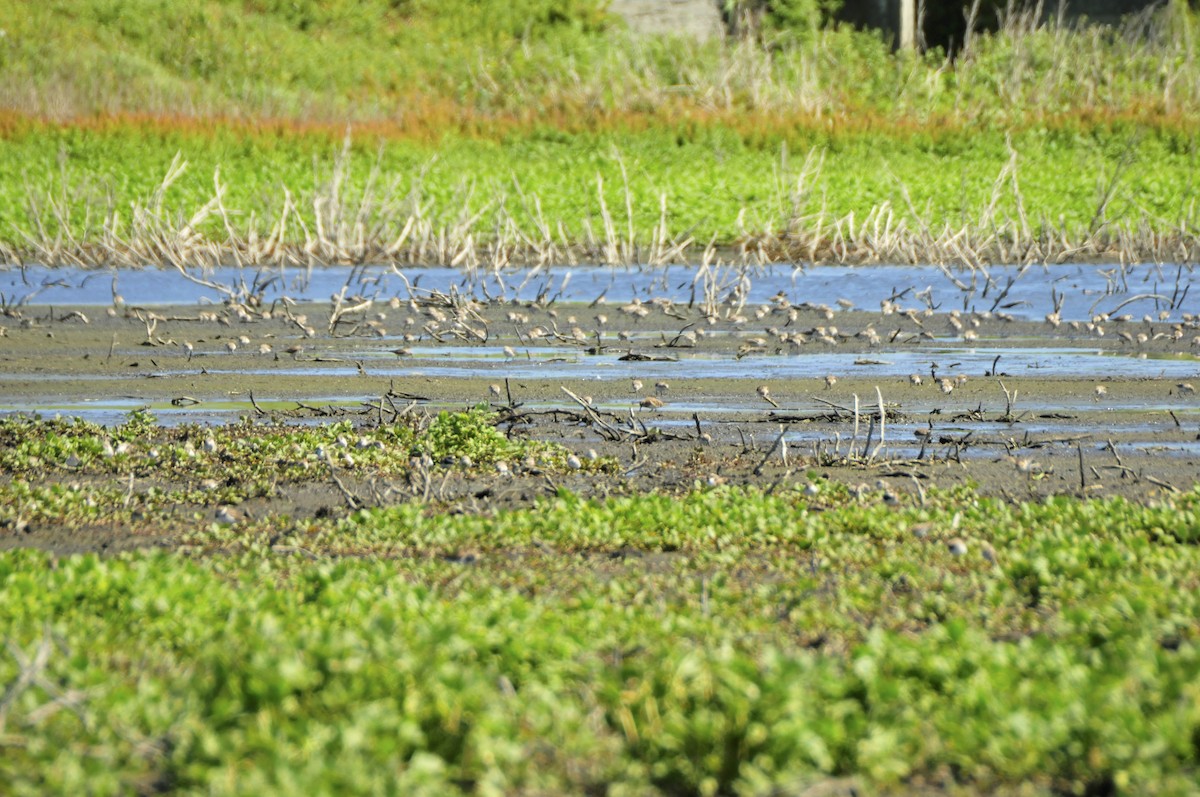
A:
883, 364
1031, 353
1027, 293
116, 411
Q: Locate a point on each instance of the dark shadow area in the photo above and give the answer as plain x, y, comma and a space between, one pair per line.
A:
944, 24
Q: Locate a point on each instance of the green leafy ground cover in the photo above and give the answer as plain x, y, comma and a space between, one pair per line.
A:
204, 466
725, 643
715, 184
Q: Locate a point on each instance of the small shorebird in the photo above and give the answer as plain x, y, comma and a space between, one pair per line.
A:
636, 385
830, 381
661, 388
494, 392
1186, 389
764, 393
229, 515
651, 403
1027, 466
989, 553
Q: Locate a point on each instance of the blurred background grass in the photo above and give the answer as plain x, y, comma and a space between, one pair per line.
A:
468, 62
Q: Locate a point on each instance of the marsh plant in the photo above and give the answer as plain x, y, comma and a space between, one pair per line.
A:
358, 212
255, 456
726, 642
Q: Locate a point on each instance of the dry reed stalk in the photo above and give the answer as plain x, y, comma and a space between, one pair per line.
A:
370, 225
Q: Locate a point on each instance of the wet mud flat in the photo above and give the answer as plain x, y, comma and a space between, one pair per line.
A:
675, 398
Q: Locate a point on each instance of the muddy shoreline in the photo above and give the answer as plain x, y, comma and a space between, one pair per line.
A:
1014, 434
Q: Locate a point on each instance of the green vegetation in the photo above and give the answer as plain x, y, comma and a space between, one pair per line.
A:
394, 61
714, 183
726, 643
497, 123
266, 56
202, 466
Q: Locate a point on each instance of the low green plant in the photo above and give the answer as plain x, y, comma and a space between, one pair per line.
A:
231, 463
471, 435
788, 17
1117, 183
725, 642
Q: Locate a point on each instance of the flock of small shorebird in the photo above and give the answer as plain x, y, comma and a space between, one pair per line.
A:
469, 326
442, 325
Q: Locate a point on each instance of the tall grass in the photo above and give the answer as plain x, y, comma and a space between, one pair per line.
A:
397, 62
353, 210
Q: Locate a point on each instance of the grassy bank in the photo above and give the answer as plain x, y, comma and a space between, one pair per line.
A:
726, 643
74, 188
551, 132
399, 61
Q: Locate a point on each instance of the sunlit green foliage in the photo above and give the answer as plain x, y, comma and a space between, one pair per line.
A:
272, 55
728, 642
246, 459
707, 176
469, 434
399, 59
481, 107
